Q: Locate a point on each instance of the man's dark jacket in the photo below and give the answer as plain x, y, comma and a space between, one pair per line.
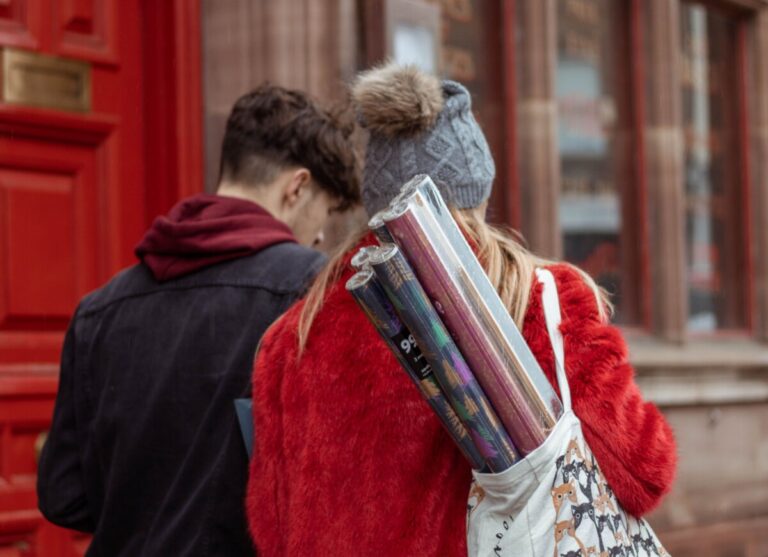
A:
145, 450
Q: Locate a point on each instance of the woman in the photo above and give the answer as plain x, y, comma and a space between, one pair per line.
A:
348, 457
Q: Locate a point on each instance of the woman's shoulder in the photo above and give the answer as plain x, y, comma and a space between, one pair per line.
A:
333, 316
286, 325
566, 274
576, 295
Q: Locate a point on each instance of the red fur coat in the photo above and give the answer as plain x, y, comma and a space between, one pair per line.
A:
349, 460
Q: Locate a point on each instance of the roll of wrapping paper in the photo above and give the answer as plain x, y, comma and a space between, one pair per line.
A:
370, 296
471, 309
459, 386
376, 224
360, 259
406, 191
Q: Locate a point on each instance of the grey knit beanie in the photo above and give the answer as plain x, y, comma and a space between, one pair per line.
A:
419, 125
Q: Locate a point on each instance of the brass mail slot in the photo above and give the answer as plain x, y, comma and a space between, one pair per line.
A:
33, 79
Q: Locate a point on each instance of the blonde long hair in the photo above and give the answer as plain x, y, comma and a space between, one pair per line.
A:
509, 265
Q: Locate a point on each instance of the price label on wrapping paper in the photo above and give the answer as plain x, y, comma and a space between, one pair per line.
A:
372, 299
453, 377
410, 352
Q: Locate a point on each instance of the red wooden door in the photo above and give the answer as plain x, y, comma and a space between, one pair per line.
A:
71, 208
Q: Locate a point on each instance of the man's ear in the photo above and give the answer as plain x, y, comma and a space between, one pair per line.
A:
297, 186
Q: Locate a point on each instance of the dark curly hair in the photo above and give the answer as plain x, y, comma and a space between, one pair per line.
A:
273, 128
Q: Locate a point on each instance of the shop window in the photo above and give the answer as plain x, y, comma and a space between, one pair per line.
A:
595, 145
471, 53
460, 40
714, 225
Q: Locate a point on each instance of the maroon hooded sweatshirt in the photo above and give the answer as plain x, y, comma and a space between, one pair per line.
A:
206, 229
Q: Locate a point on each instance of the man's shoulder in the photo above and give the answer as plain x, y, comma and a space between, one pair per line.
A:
125, 283
292, 257
285, 269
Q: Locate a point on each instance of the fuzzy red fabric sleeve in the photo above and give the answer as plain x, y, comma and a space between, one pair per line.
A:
265, 493
348, 458
631, 439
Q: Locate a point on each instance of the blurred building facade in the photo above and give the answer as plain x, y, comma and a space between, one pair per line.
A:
630, 136
630, 139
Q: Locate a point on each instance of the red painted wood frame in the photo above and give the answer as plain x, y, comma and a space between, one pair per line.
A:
745, 168
173, 104
640, 201
632, 181
512, 198
89, 184
495, 109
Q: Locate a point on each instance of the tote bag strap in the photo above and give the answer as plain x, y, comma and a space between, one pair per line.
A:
551, 304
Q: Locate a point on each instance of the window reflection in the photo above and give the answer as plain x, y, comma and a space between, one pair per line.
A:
589, 136
714, 241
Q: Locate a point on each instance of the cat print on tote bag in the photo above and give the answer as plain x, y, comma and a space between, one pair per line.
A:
583, 500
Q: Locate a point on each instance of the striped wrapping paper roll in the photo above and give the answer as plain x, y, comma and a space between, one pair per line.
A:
360, 259
372, 299
376, 224
454, 376
471, 309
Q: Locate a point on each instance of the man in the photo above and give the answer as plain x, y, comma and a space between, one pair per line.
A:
144, 450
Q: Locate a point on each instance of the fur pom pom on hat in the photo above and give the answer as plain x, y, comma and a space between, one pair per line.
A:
394, 100
420, 125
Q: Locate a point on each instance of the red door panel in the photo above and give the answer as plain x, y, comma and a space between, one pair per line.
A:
85, 29
20, 23
53, 228
72, 205
40, 260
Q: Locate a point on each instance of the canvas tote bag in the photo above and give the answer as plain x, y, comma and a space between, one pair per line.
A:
555, 502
